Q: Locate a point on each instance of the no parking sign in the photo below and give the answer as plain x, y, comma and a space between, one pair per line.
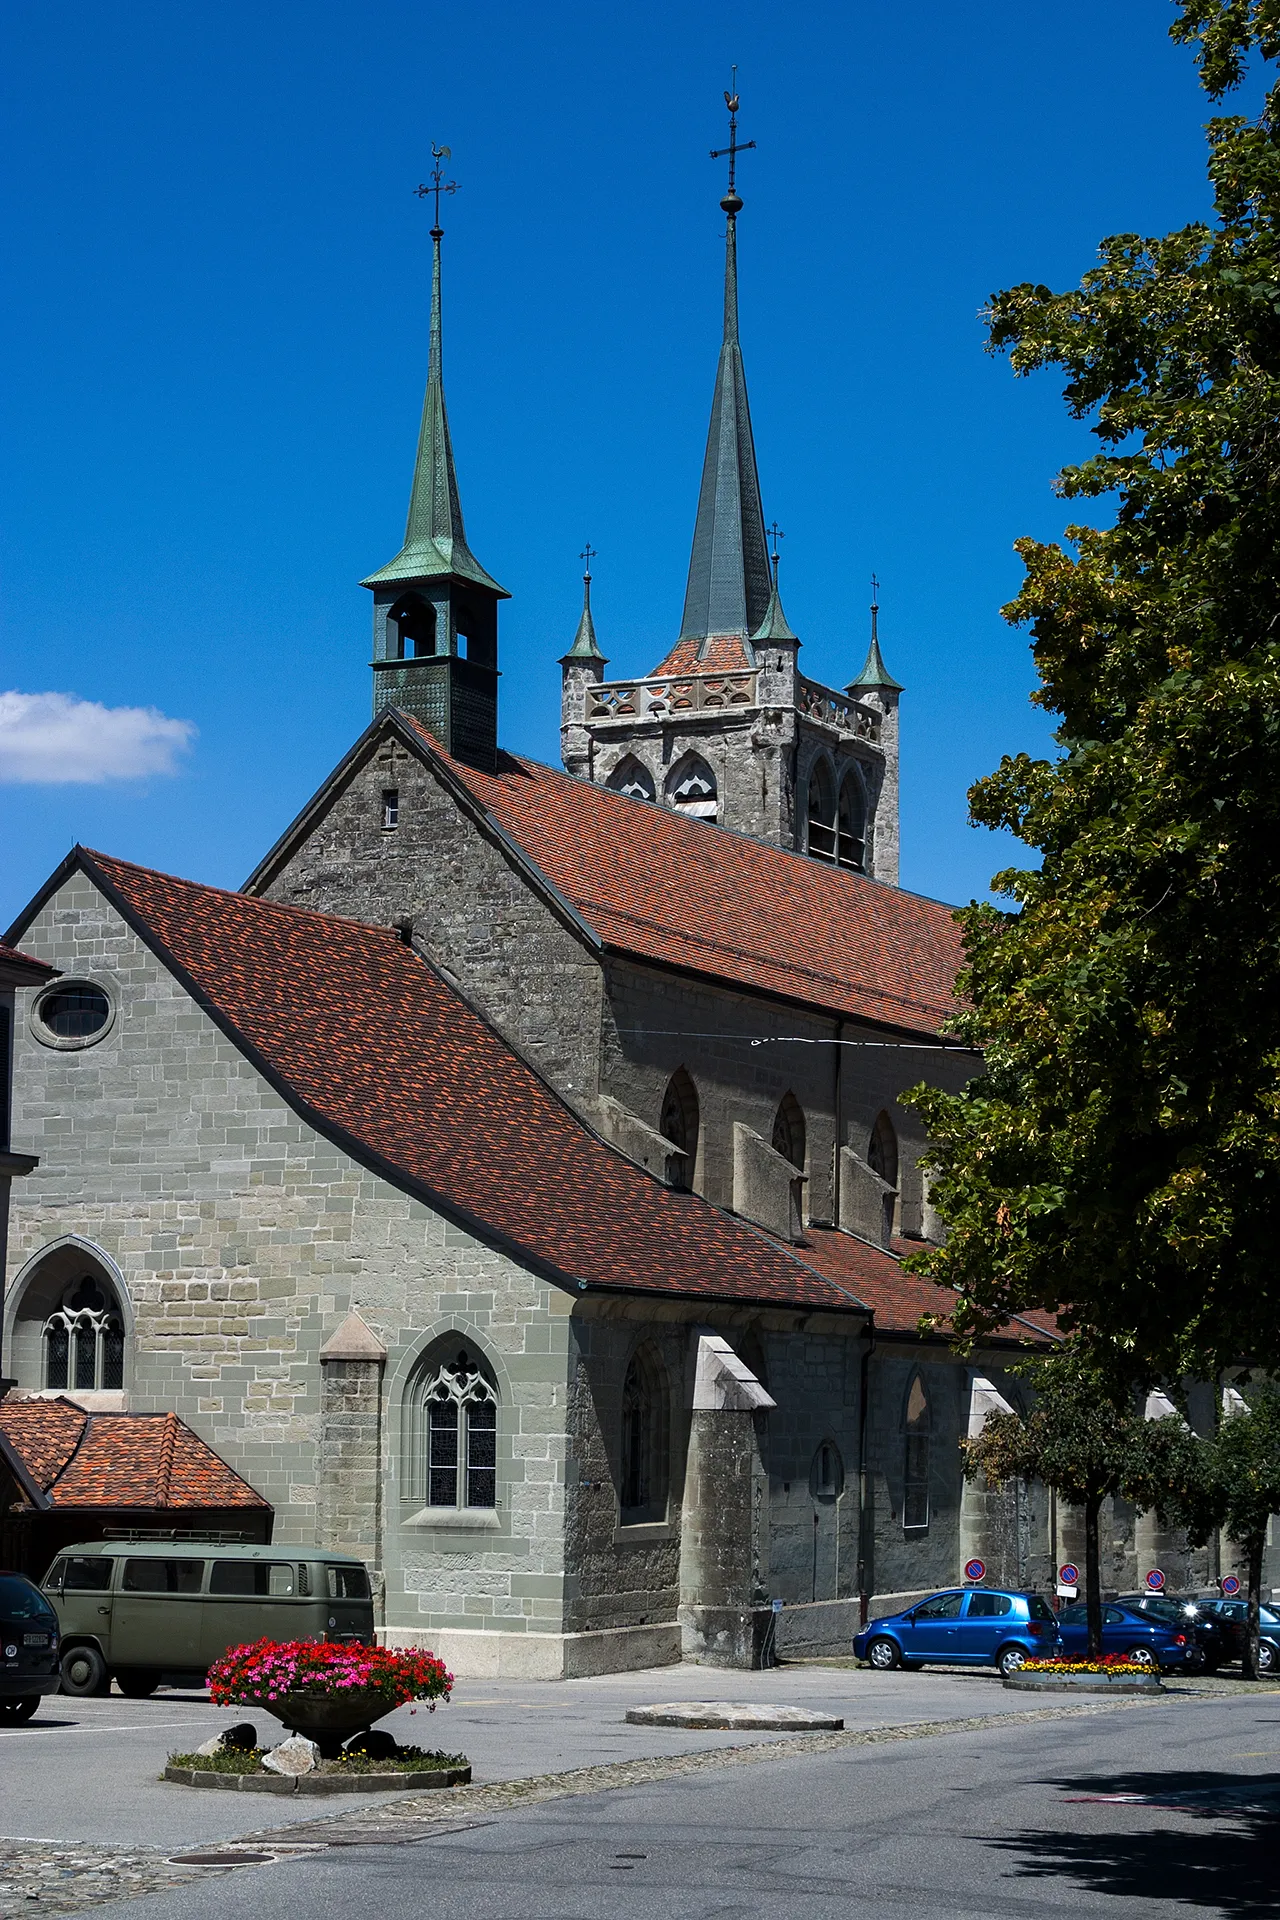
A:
1069, 1576
1155, 1580
975, 1569
1230, 1586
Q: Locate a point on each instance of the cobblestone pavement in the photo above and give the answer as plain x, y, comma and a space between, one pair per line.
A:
38, 1877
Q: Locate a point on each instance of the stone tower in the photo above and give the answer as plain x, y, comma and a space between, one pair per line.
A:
435, 609
726, 728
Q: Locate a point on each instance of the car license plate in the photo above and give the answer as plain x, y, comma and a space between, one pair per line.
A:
35, 1639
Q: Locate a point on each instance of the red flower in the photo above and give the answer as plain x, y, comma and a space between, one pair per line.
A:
269, 1668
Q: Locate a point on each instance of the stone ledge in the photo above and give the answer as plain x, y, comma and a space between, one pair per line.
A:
726, 1714
417, 1780
1082, 1683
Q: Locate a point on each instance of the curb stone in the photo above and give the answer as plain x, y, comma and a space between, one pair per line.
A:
397, 1782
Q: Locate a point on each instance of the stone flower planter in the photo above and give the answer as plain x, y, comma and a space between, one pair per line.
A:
327, 1718
1024, 1682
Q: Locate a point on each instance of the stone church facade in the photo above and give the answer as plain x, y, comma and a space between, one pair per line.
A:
510, 1183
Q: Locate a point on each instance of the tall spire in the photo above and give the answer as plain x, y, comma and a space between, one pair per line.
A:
874, 672
729, 580
435, 541
584, 645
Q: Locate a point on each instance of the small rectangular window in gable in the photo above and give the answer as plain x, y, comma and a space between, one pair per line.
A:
390, 807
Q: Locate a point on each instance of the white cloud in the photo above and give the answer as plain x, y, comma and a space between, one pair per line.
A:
54, 739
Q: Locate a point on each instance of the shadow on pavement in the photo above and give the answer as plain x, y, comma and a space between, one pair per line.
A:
1231, 1864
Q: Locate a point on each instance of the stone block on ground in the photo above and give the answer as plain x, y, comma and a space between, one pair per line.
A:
293, 1756
726, 1714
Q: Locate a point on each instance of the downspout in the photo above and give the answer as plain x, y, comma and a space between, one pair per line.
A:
869, 1347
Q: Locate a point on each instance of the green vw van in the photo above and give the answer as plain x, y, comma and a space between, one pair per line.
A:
142, 1611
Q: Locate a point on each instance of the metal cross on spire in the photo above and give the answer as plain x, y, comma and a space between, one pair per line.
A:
732, 202
875, 608
438, 185
587, 555
775, 533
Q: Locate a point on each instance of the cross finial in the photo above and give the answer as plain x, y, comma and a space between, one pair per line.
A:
775, 533
732, 202
875, 607
437, 186
587, 555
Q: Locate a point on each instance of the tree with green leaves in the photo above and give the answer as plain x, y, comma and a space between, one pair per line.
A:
1081, 1439
1118, 1158
1230, 1479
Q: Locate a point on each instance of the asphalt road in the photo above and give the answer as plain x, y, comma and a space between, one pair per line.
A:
1166, 1810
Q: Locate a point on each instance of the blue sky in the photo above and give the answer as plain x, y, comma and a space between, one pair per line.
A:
215, 348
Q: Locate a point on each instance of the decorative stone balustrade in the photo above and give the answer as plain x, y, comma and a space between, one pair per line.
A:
836, 710
683, 693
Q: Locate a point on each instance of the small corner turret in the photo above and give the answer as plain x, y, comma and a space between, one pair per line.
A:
581, 669
435, 609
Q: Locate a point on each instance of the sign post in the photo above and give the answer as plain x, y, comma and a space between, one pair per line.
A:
1068, 1581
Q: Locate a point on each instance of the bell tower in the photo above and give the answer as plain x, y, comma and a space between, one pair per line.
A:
435, 609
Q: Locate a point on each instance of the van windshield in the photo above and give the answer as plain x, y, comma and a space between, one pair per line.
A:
348, 1583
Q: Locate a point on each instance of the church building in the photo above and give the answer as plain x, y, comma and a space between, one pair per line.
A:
509, 1183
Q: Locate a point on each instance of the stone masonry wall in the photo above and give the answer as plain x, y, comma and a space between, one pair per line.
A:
244, 1239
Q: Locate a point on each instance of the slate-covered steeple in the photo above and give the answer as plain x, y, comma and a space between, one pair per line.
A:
435, 609
729, 580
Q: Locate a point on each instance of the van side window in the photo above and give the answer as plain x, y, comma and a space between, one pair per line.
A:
87, 1573
52, 1582
163, 1576
259, 1577
348, 1583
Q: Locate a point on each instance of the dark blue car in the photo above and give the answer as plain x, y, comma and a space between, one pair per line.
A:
1144, 1638
974, 1627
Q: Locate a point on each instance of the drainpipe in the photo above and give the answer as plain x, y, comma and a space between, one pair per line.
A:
864, 1597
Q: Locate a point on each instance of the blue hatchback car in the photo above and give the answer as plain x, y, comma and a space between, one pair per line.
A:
972, 1627
1145, 1638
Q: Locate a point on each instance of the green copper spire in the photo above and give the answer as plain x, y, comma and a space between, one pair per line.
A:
775, 625
728, 589
435, 542
584, 640
874, 672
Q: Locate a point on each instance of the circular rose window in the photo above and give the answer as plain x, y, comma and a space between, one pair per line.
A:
73, 1014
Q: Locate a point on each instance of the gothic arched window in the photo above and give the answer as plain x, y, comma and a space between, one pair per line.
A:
453, 1435
630, 776
851, 824
788, 1130
822, 812
882, 1150
645, 1454
917, 1429
679, 1125
84, 1340
413, 622
692, 789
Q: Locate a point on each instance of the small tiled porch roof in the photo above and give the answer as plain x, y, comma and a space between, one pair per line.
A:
151, 1462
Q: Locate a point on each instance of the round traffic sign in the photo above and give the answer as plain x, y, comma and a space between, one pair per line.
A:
1069, 1575
975, 1569
1230, 1585
1155, 1579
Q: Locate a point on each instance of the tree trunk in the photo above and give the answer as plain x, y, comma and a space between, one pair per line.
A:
1253, 1631
1092, 1575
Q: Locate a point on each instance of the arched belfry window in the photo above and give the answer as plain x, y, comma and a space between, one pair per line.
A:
882, 1150
917, 1430
822, 812
788, 1130
645, 1451
851, 822
679, 1125
691, 788
630, 776
412, 624
84, 1340
452, 1437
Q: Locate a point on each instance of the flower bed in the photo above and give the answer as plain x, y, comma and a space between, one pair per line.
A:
249, 1760
1109, 1664
265, 1672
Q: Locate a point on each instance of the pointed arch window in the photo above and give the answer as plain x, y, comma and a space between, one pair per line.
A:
882, 1150
789, 1130
631, 776
692, 789
679, 1125
645, 1452
84, 1340
822, 812
451, 1444
851, 822
413, 626
917, 1436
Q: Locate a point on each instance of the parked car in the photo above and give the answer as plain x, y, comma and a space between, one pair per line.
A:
1193, 1615
1233, 1618
140, 1611
28, 1647
974, 1627
1148, 1639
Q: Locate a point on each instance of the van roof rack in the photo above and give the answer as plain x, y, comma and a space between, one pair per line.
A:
216, 1537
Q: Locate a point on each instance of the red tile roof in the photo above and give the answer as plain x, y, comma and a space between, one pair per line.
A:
16, 964
898, 1300
687, 893
150, 1461
367, 1041
726, 653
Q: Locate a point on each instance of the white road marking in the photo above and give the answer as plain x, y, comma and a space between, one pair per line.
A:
134, 1726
